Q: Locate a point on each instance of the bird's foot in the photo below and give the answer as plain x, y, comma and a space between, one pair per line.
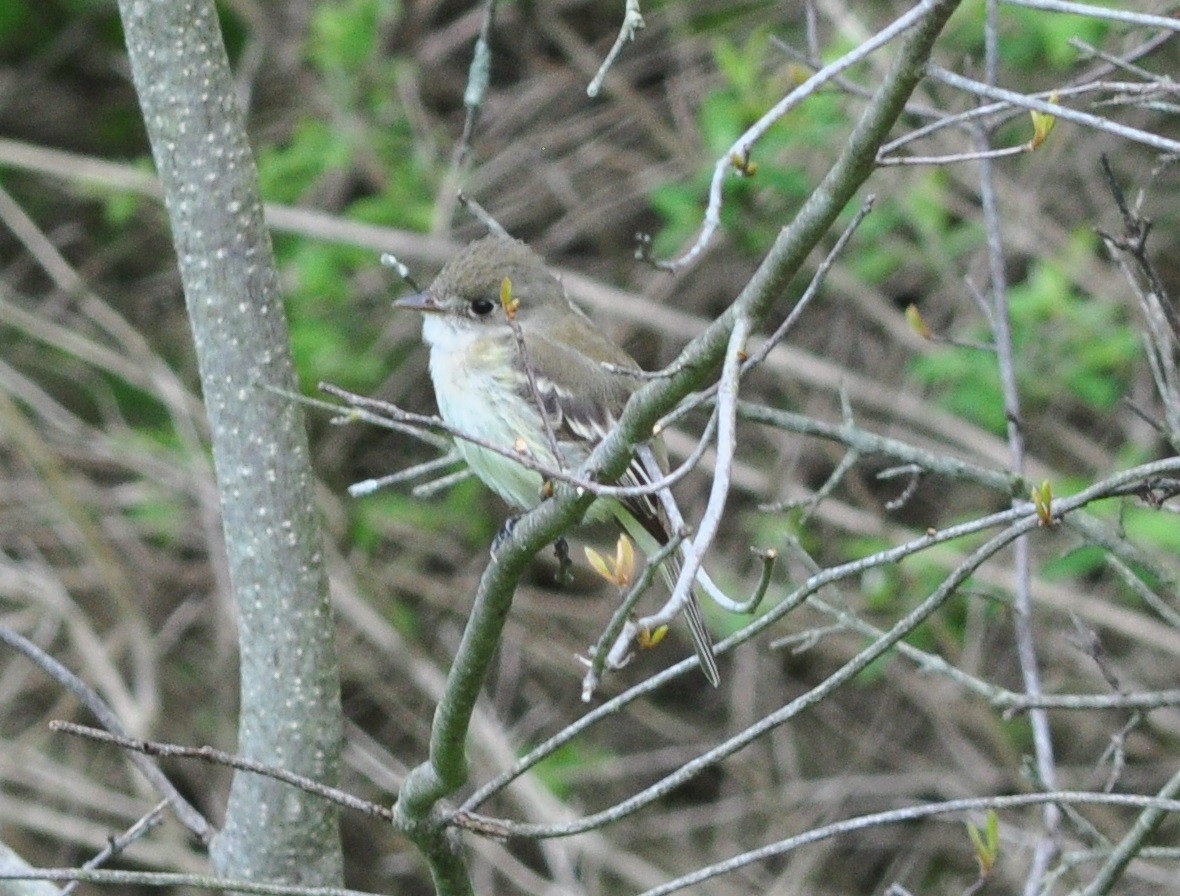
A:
503, 535
561, 548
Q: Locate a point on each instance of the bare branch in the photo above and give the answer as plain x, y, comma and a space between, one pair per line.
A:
1090, 11
218, 757
913, 813
185, 811
1021, 101
742, 147
632, 22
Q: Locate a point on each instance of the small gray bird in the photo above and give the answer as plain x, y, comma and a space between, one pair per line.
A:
482, 388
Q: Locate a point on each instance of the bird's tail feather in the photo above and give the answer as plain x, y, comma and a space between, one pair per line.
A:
701, 642
649, 543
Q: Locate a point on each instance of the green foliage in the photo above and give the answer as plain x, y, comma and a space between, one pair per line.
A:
19, 29
986, 842
880, 588
1067, 345
560, 770
119, 209
315, 148
1079, 563
1148, 528
967, 383
158, 516
1151, 528
366, 143
755, 78
708, 18
1030, 41
781, 529
454, 514
913, 227
343, 34
328, 341
889, 590
29, 27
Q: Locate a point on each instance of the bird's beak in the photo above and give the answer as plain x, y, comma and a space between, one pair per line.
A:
422, 301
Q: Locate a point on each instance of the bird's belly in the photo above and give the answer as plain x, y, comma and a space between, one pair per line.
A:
482, 405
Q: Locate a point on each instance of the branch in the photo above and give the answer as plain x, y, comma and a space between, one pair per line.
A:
772, 720
1132, 844
1022, 623
136, 746
120, 842
1021, 101
632, 22
423, 426
913, 813
185, 811
12, 865
1020, 515
446, 770
1141, 19
175, 880
739, 152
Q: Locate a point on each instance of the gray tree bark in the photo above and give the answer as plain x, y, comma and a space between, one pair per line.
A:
290, 712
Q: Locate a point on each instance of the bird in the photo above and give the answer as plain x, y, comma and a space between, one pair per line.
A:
491, 297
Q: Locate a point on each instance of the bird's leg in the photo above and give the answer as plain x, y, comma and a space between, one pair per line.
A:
561, 548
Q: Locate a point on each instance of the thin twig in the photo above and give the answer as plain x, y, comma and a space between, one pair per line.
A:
1132, 580
389, 260
1116, 63
184, 810
119, 843
176, 880
382, 413
914, 473
783, 329
907, 815
1007, 109
1014, 704
632, 22
955, 158
137, 746
1136, 231
1132, 843
1062, 507
676, 521
1026, 647
530, 375
442, 483
739, 151
771, 720
478, 77
726, 410
368, 486
1022, 101
1142, 19
1162, 323
481, 214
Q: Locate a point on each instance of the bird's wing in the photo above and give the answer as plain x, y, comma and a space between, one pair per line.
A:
582, 400
582, 417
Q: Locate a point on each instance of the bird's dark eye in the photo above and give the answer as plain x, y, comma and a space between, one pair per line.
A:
482, 306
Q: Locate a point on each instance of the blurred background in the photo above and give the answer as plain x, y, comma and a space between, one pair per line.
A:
110, 553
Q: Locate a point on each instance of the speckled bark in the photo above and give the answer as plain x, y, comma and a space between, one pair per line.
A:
290, 714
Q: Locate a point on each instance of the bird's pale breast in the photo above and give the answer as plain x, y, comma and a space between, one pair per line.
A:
476, 389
